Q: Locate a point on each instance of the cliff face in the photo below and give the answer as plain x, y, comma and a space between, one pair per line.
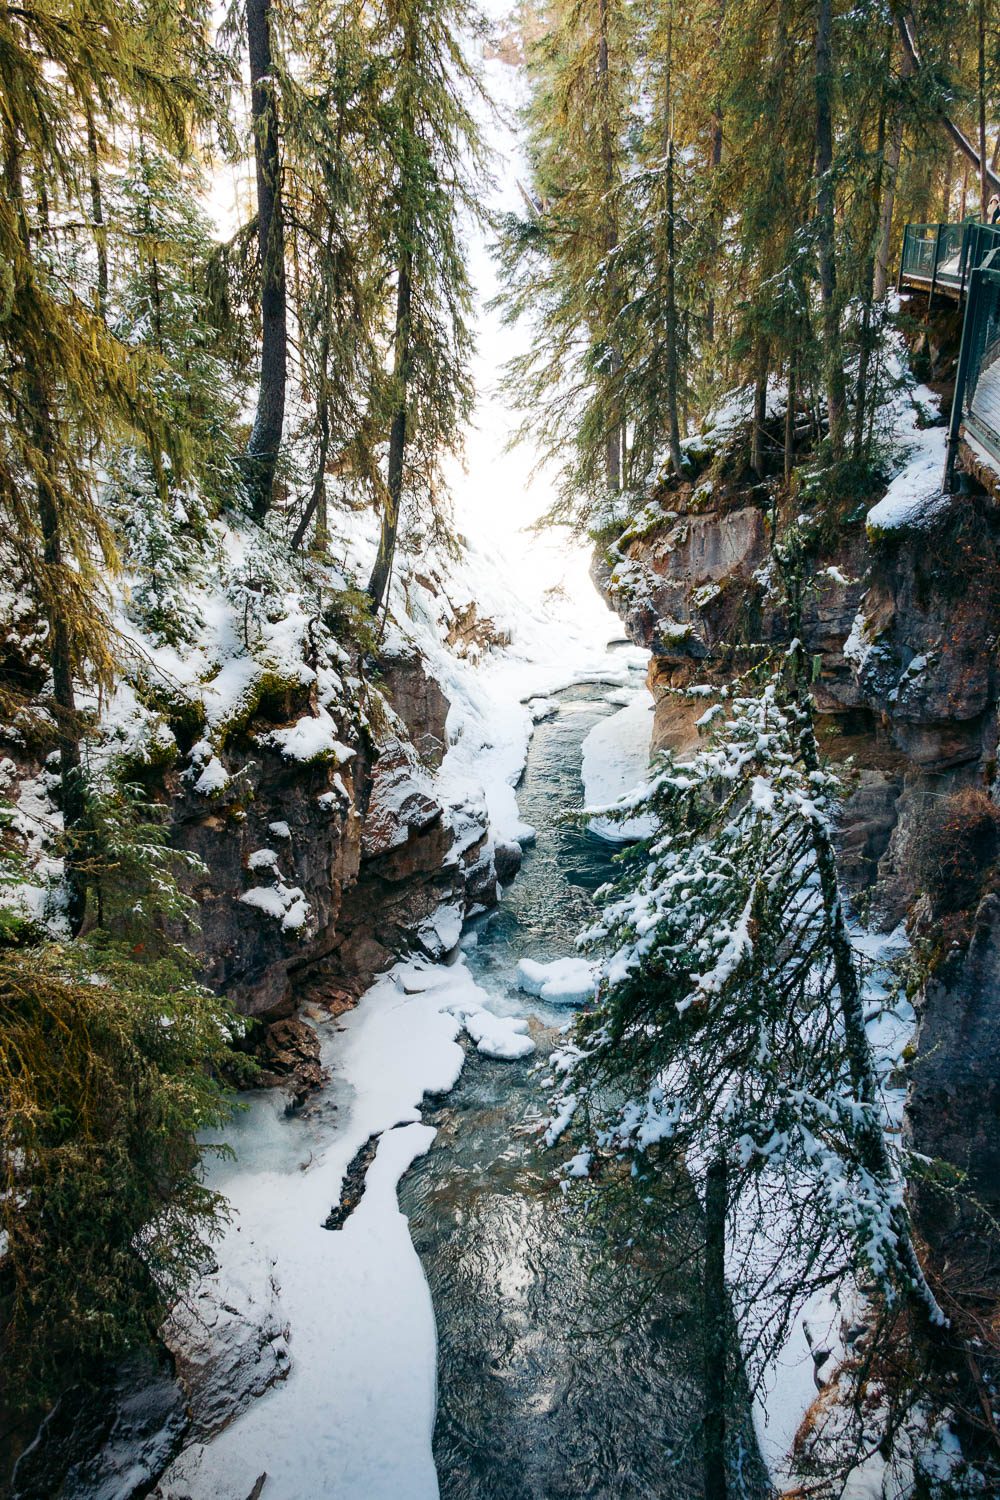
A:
317, 872
903, 625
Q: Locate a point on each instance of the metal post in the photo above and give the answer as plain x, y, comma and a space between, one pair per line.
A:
902, 258
937, 253
961, 380
967, 242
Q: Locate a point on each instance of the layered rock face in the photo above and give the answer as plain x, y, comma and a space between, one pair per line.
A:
903, 628
316, 873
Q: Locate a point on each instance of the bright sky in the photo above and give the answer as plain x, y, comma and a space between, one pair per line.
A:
497, 499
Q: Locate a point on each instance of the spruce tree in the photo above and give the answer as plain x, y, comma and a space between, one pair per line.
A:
428, 158
728, 1043
67, 385
566, 263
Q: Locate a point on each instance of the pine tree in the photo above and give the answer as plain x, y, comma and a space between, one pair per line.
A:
430, 147
67, 385
331, 126
566, 263
728, 1042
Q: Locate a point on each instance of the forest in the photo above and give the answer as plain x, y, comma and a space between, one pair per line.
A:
468, 1028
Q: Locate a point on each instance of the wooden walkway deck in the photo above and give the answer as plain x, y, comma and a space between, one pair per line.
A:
983, 416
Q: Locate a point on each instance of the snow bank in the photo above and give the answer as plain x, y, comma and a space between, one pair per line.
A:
615, 763
564, 981
914, 496
497, 1036
356, 1414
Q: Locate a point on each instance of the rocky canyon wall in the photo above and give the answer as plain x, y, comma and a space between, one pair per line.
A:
902, 625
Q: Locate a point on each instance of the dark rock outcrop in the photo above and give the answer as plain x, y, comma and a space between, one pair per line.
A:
315, 873
279, 843
417, 698
289, 1058
107, 1440
953, 1105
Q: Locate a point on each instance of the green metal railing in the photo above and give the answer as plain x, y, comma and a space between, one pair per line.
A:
976, 404
945, 254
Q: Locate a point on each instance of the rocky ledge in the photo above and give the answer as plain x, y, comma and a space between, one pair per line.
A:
314, 874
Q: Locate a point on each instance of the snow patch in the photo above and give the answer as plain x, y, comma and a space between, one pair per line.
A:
313, 737
616, 763
564, 981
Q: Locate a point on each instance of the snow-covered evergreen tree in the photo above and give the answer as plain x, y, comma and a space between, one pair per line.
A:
729, 1034
161, 515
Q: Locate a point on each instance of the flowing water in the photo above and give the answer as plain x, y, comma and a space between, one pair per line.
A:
550, 1386
547, 1389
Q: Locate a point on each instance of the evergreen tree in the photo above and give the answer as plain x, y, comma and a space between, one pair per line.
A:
109, 1061
566, 263
430, 149
728, 1042
332, 146
66, 384
764, 157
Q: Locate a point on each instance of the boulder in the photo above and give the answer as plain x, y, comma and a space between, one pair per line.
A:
109, 1439
229, 1342
417, 698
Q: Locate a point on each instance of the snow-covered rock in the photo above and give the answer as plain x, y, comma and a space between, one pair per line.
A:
616, 762
230, 1342
564, 981
498, 1036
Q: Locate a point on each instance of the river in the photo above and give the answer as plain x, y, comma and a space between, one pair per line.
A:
447, 1338
538, 1399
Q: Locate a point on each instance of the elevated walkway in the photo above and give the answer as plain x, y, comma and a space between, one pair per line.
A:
940, 258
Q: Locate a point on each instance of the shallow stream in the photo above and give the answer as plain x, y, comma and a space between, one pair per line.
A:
549, 1385
538, 1397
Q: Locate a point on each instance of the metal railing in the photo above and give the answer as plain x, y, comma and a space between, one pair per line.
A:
976, 404
945, 254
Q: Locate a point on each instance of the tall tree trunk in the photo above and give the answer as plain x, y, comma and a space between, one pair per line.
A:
715, 1320
716, 160
670, 287
790, 422
890, 179
317, 499
265, 438
868, 298
759, 409
97, 219
983, 168
397, 432
946, 187
613, 442
825, 229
